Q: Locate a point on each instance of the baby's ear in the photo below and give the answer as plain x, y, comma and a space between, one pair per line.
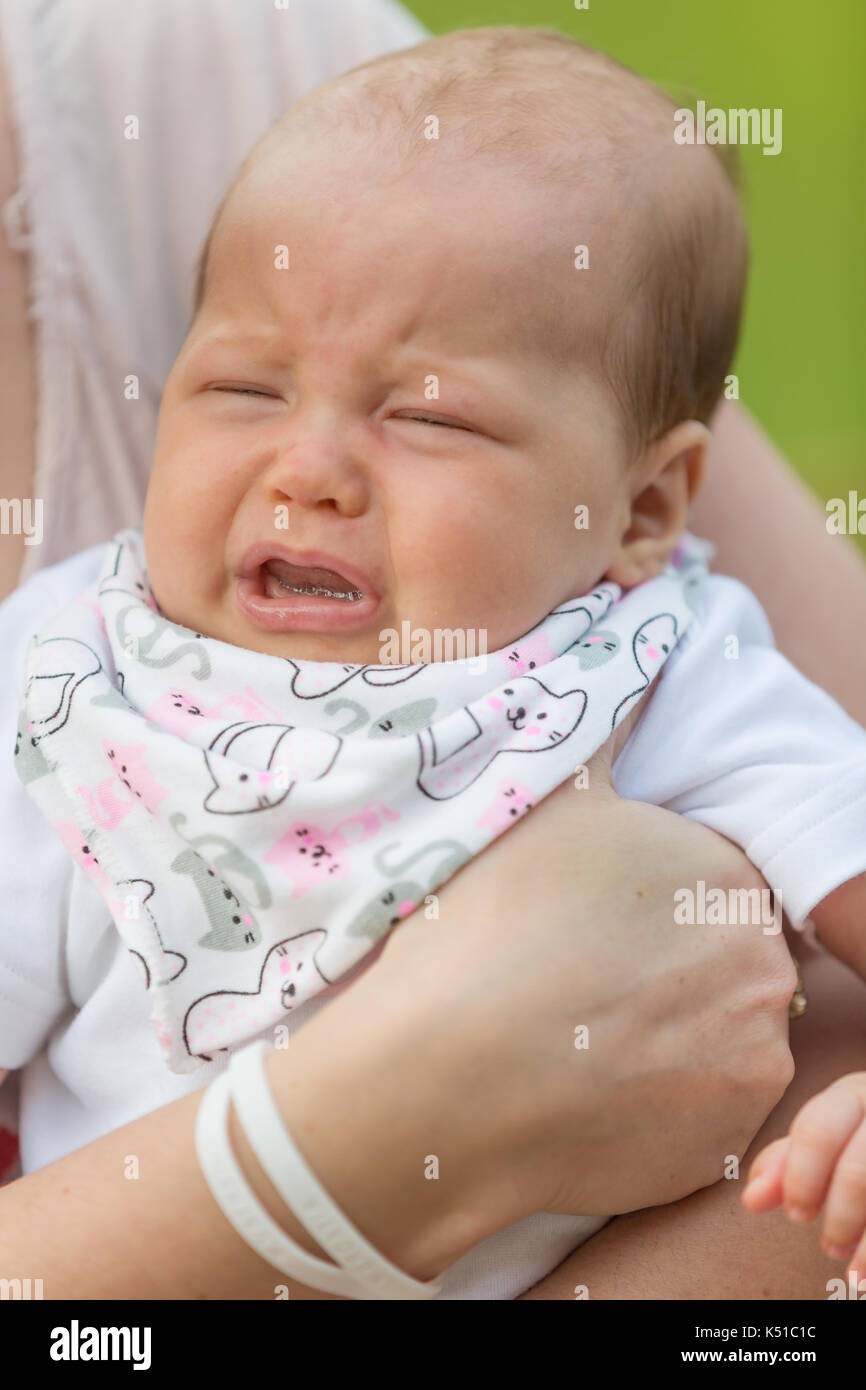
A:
663, 485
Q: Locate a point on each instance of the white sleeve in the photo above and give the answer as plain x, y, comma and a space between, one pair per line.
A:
35, 868
736, 738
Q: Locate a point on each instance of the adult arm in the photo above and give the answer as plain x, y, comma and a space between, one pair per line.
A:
481, 1071
161, 1235
771, 533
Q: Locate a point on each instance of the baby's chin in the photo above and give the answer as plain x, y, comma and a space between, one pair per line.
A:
390, 642
355, 648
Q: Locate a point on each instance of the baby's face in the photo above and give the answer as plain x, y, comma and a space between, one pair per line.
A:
300, 421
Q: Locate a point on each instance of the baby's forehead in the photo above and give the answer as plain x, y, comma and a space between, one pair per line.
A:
588, 141
489, 251
585, 146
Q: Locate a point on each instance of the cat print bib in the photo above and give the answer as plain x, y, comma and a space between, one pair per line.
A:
255, 824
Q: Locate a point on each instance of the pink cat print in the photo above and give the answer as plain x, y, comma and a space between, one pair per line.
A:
310, 856
511, 802
132, 781
528, 655
83, 854
174, 710
307, 856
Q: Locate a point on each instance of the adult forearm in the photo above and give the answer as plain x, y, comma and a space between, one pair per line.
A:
89, 1232
347, 1088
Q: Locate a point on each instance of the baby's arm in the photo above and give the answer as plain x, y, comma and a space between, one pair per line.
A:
821, 1162
840, 923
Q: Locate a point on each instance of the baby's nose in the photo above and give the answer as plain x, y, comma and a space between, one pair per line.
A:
320, 464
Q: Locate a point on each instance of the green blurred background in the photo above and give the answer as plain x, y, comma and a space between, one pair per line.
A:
801, 361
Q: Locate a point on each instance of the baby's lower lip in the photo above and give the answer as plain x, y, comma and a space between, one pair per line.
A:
268, 604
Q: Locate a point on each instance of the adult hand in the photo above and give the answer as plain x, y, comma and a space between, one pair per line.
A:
566, 923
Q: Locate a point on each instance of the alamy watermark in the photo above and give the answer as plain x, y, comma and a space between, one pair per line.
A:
846, 518
77, 1343
738, 126
22, 516
715, 907
421, 646
20, 1289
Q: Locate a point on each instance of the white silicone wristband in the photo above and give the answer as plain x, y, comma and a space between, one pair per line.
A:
299, 1188
242, 1208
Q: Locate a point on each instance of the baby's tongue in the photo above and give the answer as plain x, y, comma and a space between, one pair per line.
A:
301, 575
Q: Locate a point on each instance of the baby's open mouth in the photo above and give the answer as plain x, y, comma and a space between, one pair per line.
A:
280, 590
308, 579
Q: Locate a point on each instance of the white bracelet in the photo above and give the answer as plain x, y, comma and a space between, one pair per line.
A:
362, 1272
302, 1192
233, 1195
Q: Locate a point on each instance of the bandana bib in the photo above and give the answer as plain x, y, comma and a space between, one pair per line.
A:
255, 824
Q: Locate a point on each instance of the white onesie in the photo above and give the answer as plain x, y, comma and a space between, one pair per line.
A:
742, 743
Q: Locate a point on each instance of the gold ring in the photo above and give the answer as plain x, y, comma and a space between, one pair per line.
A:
797, 1006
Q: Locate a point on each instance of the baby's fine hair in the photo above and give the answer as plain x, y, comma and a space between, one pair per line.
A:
560, 113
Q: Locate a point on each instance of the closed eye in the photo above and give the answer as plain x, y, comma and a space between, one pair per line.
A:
431, 420
244, 391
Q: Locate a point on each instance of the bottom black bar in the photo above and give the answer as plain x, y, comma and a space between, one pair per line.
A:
63, 1339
